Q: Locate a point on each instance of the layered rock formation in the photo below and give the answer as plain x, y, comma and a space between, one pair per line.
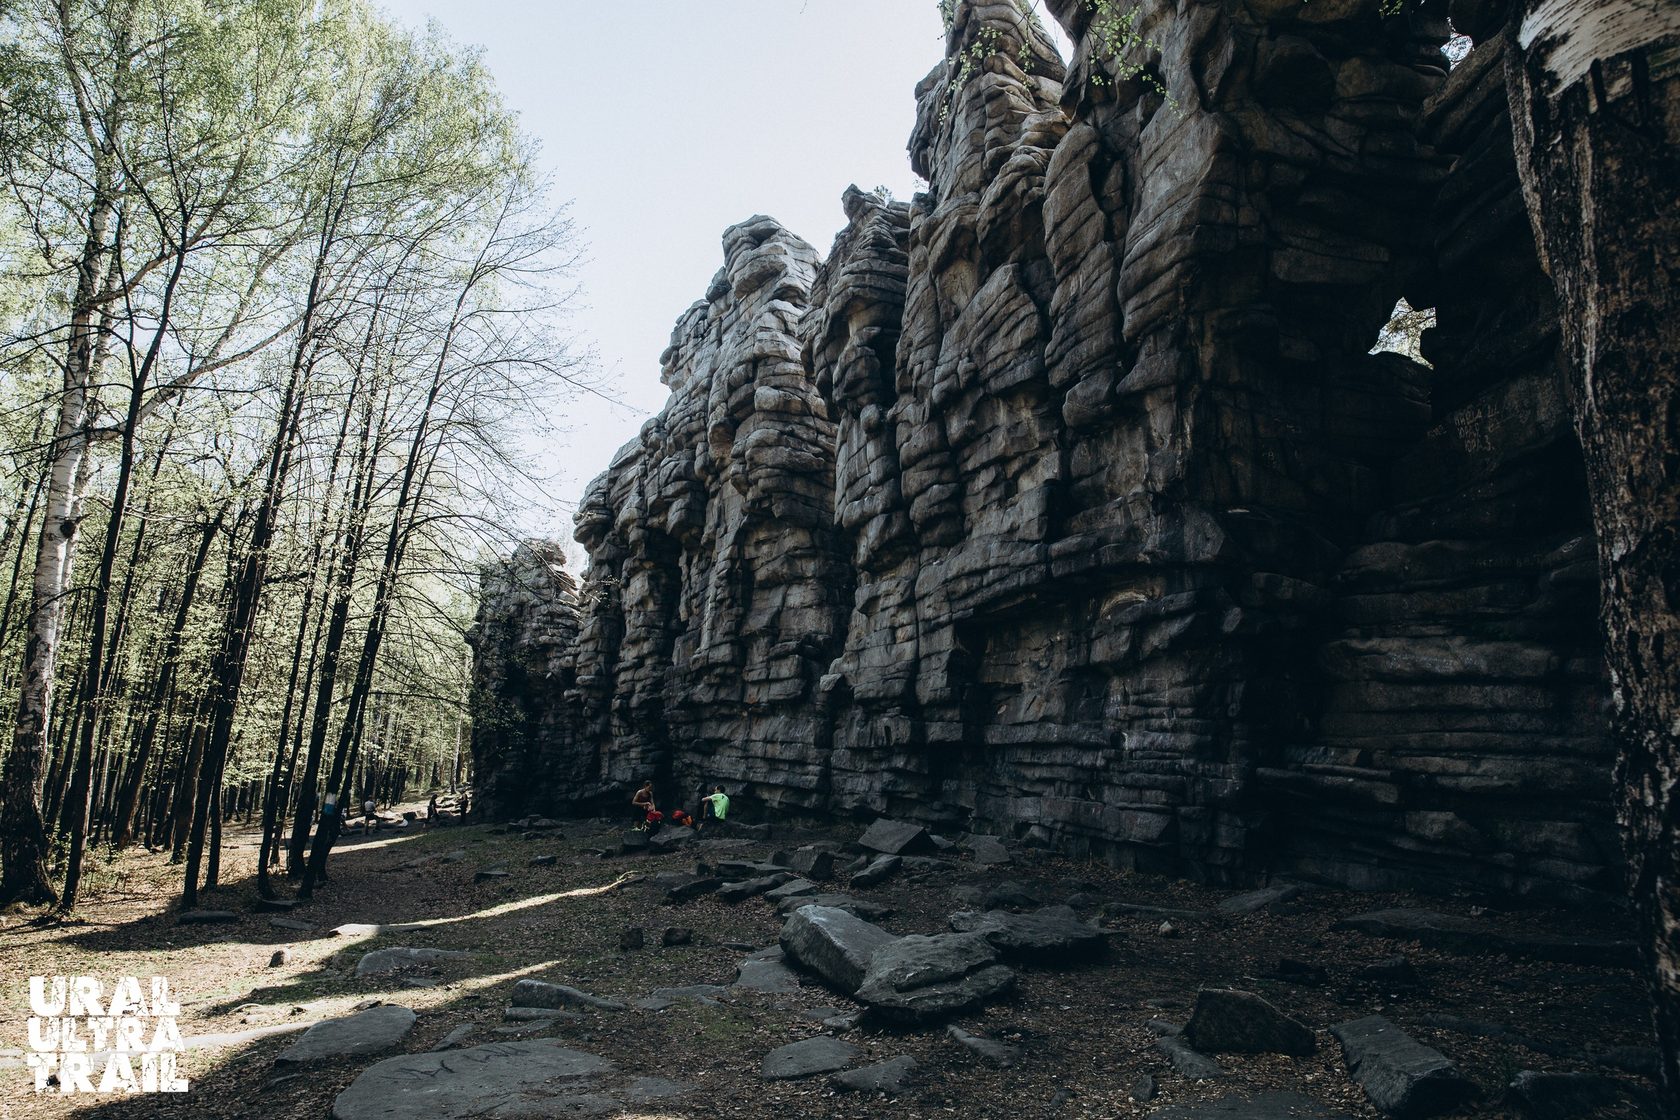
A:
1145, 554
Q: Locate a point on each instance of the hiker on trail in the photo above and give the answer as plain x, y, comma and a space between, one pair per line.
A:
431, 811
715, 804
641, 803
370, 809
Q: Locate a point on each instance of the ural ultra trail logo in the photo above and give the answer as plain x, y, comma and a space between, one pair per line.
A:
127, 1044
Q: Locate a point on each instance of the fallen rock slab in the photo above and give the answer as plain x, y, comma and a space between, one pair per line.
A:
1229, 1021
662, 998
519, 1077
1544, 1095
1186, 1059
835, 944
750, 888
762, 974
990, 1050
1052, 935
1468, 936
879, 870
793, 888
205, 917
890, 1077
692, 886
807, 1058
387, 962
1252, 902
896, 838
1400, 1075
868, 911
369, 1032
919, 978
988, 850
539, 993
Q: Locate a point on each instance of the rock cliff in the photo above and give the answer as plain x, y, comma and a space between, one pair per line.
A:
1068, 499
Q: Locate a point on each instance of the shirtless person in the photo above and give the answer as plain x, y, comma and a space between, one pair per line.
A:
642, 804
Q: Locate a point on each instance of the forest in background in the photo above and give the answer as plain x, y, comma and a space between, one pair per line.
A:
281, 292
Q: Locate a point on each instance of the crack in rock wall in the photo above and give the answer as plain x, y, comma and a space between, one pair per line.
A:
1067, 500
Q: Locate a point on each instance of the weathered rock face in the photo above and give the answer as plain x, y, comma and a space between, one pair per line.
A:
1146, 554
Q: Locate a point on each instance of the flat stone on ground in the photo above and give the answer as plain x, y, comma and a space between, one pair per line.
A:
793, 888
879, 870
538, 993
1469, 936
891, 1077
385, 962
537, 1077
868, 911
920, 978
1252, 902
378, 1028
896, 838
808, 1057
834, 944
1229, 1021
205, 917
1053, 935
1401, 1076
765, 976
1186, 1059
991, 1051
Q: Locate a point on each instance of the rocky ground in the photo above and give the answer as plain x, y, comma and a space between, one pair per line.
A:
545, 971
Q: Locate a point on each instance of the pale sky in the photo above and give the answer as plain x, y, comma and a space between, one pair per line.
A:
665, 121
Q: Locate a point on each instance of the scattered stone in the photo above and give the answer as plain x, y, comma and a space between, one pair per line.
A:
676, 935
842, 1022
386, 962
1186, 1059
879, 870
1229, 1021
663, 998
631, 939
857, 865
988, 850
1468, 936
1144, 1091
544, 861
920, 978
1162, 1028
868, 911
1254, 901
419, 982
751, 888
670, 839
999, 1054
644, 1089
378, 1028
835, 944
1166, 929
539, 993
546, 1015
766, 975
292, 924
896, 838
488, 873
807, 1058
1052, 935
693, 886
1010, 896
890, 1077
1563, 1096
813, 862
1401, 1076
793, 888
457, 856
280, 958
205, 917
515, 1077
275, 906
455, 1037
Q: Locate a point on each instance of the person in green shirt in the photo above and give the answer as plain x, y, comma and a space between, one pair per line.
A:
717, 804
